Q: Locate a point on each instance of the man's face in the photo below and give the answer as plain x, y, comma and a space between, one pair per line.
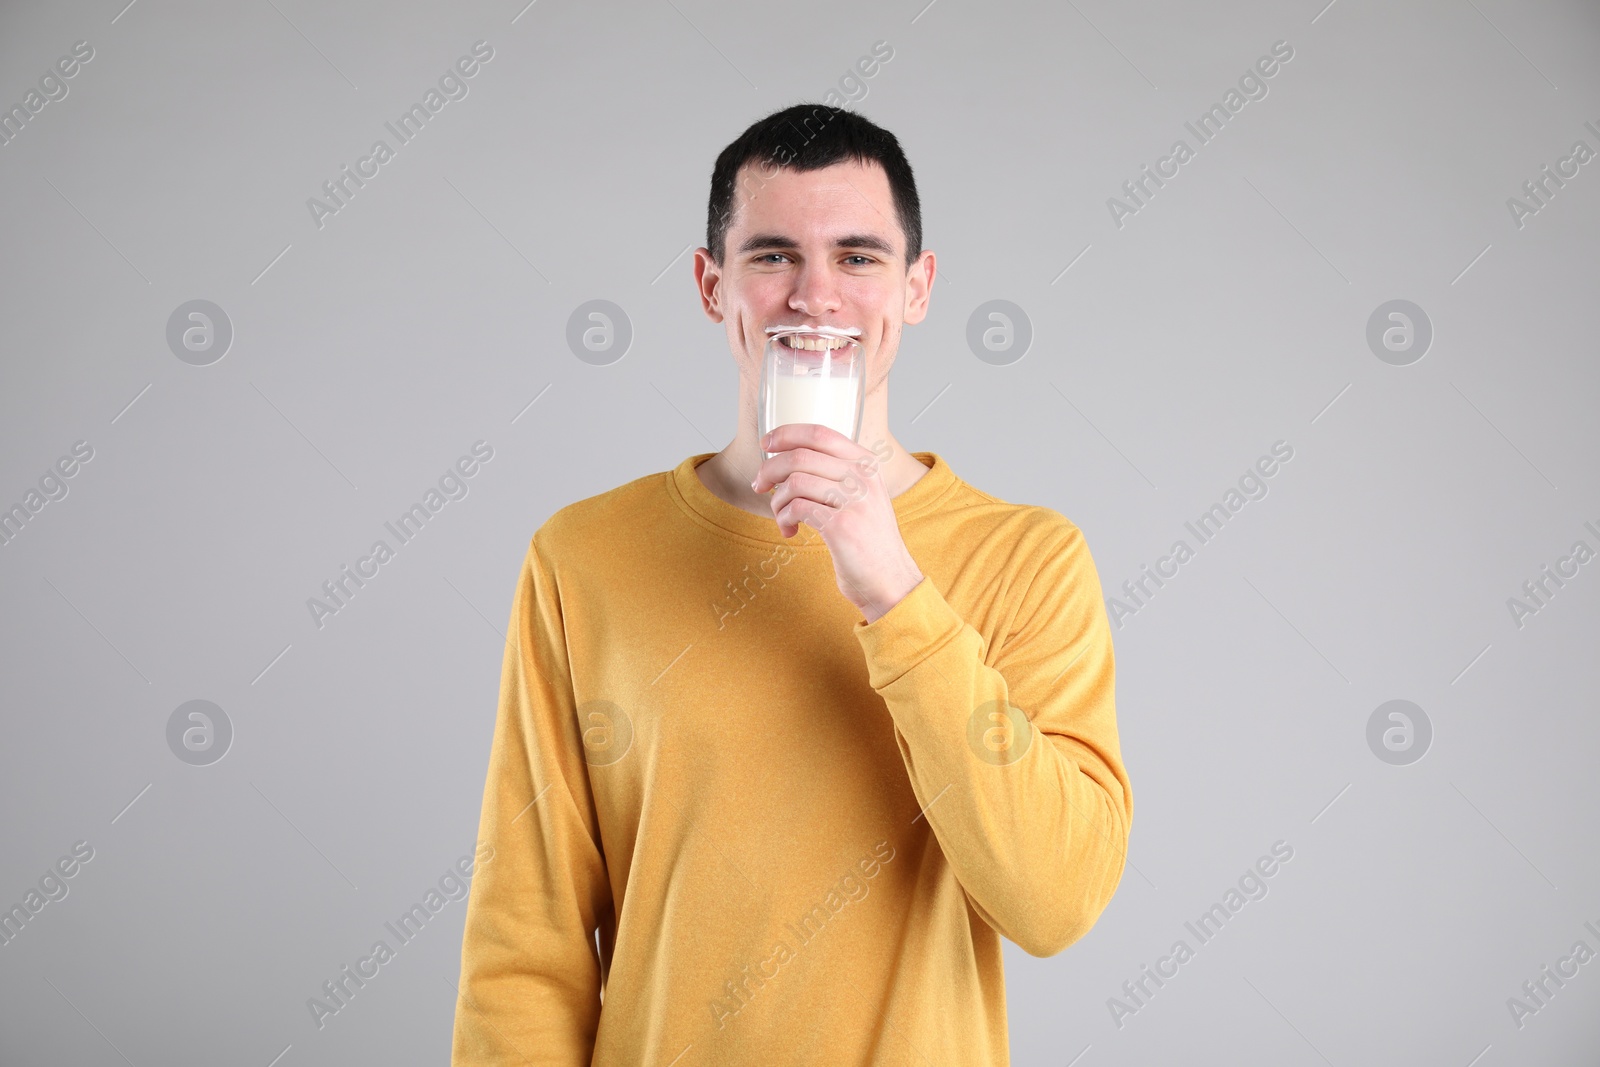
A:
814, 248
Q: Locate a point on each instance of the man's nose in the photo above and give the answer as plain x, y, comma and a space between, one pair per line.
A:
816, 291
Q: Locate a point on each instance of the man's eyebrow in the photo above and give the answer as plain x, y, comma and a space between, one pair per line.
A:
759, 241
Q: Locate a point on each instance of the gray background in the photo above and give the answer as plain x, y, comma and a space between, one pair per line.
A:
369, 354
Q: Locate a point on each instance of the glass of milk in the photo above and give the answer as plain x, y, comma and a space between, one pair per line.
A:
812, 374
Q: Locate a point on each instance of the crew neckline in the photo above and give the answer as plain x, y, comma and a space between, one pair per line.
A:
711, 511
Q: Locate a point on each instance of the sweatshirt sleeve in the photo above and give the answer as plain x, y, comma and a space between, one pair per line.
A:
530, 971
1015, 757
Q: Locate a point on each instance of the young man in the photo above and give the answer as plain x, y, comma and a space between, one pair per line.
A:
785, 746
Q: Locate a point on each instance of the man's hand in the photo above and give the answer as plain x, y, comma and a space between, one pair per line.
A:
833, 485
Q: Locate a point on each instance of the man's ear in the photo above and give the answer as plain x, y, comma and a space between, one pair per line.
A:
708, 282
919, 287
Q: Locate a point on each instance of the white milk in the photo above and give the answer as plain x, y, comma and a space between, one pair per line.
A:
829, 401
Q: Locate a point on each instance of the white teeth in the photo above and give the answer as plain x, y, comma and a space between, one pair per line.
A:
814, 344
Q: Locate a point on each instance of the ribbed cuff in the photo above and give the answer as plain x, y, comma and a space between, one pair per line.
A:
908, 633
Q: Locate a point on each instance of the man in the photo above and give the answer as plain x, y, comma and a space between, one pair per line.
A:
785, 746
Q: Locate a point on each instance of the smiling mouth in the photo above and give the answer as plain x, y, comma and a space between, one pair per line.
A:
815, 338
812, 343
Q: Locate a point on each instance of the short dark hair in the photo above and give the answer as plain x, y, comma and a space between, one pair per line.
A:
809, 137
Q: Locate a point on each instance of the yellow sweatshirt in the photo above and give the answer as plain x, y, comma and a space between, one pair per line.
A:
733, 823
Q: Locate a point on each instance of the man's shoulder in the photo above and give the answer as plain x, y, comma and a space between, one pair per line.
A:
606, 517
1035, 550
984, 515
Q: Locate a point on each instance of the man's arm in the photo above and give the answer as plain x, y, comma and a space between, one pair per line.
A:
530, 975
1032, 811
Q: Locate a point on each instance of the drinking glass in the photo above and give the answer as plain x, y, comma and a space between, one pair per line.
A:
811, 375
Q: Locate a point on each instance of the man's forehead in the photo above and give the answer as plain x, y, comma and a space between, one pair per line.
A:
846, 203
